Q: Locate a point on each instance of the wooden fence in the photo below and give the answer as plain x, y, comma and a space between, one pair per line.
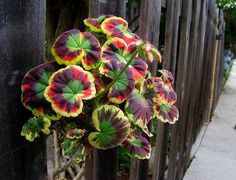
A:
192, 34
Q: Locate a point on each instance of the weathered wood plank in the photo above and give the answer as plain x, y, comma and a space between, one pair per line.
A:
174, 136
149, 28
106, 162
200, 50
22, 25
181, 77
160, 153
190, 83
115, 7
93, 8
163, 129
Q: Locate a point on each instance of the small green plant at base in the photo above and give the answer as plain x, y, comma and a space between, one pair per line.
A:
98, 93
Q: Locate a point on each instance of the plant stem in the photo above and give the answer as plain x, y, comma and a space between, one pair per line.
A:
56, 150
120, 73
62, 169
79, 175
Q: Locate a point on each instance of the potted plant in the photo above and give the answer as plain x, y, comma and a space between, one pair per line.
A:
98, 93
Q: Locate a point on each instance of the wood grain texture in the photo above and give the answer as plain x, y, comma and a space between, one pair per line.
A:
190, 80
163, 129
115, 7
172, 163
149, 29
106, 162
22, 26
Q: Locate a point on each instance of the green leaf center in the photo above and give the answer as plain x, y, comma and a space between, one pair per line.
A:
73, 89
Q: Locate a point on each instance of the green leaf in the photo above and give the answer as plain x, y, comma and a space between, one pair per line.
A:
67, 88
34, 126
73, 148
33, 86
137, 146
75, 133
139, 109
112, 127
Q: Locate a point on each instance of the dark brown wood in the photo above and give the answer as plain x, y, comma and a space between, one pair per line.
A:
105, 164
160, 153
134, 167
190, 81
174, 136
22, 25
115, 7
88, 169
191, 54
163, 129
149, 28
154, 28
201, 39
181, 77
93, 8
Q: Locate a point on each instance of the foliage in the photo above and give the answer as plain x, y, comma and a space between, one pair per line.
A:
229, 7
228, 62
230, 30
124, 160
226, 4
98, 93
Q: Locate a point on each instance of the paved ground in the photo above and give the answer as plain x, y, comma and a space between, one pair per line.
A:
216, 157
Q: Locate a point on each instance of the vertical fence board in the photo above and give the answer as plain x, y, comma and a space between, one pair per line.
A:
194, 57
93, 8
106, 162
21, 48
201, 39
115, 7
221, 56
148, 30
190, 83
181, 77
174, 134
168, 63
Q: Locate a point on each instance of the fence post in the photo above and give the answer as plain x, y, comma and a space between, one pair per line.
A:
22, 25
149, 29
106, 161
169, 64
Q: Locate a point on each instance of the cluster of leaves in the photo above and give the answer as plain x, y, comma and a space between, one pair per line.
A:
98, 93
226, 4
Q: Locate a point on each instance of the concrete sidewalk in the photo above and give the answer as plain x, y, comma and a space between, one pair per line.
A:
216, 157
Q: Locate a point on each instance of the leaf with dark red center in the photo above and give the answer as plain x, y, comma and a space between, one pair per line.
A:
74, 46
123, 86
167, 76
94, 24
164, 91
116, 49
129, 37
67, 88
99, 85
166, 112
114, 25
137, 146
33, 87
139, 109
75, 133
112, 127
